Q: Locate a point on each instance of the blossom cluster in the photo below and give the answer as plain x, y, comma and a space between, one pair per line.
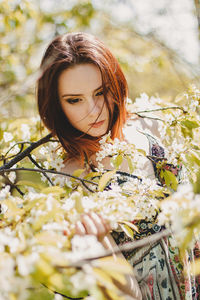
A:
38, 213
178, 123
181, 211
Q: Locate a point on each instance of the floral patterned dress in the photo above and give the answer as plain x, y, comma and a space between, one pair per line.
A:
158, 268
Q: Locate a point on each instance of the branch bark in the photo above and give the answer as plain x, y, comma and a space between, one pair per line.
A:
26, 152
118, 249
44, 171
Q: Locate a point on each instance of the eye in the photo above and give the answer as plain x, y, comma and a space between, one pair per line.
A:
73, 100
100, 93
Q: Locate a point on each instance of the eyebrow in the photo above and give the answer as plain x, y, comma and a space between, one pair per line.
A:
76, 95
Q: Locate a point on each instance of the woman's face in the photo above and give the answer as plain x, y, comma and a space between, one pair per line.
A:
82, 100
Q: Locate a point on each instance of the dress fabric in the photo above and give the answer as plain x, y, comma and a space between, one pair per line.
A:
158, 268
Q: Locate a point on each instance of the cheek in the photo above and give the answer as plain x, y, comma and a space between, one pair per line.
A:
68, 113
73, 118
74, 115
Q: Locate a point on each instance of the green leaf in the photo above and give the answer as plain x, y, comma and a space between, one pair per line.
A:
53, 190
157, 193
105, 179
115, 275
117, 161
41, 220
40, 293
131, 225
161, 173
185, 131
43, 269
35, 185
1, 134
194, 157
49, 238
77, 173
78, 204
127, 230
143, 152
92, 175
130, 164
32, 203
116, 264
190, 124
185, 244
196, 185
104, 279
170, 179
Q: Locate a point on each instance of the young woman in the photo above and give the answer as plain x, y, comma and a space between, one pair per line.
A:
82, 96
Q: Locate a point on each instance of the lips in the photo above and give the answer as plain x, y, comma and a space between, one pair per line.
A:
97, 124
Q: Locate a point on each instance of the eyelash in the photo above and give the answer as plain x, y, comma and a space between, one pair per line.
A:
73, 101
100, 93
76, 100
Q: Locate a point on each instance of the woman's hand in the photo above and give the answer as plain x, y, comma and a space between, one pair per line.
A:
93, 224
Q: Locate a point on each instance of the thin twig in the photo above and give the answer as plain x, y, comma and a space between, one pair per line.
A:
4, 158
26, 152
67, 297
18, 143
39, 167
13, 185
87, 187
145, 117
163, 108
2, 171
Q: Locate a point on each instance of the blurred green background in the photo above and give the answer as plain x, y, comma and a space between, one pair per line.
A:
156, 43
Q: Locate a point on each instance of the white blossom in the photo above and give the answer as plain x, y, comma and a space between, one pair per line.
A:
82, 281
13, 148
7, 136
43, 150
86, 246
5, 192
26, 134
12, 176
26, 263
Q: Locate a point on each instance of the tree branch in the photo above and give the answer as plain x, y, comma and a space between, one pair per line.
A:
43, 171
4, 158
118, 249
145, 117
13, 185
39, 167
162, 108
26, 152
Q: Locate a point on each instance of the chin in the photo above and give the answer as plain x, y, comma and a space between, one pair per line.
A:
97, 134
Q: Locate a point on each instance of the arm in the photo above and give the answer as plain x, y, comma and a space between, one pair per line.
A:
96, 225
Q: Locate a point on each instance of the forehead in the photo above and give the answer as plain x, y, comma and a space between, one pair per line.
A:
79, 79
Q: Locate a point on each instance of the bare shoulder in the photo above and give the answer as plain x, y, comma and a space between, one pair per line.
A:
134, 129
134, 134
146, 124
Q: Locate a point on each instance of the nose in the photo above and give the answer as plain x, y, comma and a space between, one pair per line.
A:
94, 107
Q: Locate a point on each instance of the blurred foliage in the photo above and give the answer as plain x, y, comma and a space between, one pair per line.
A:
26, 27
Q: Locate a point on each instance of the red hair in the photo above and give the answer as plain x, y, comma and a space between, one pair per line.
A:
67, 51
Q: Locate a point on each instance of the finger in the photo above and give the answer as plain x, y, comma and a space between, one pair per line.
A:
101, 228
106, 224
89, 225
79, 228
